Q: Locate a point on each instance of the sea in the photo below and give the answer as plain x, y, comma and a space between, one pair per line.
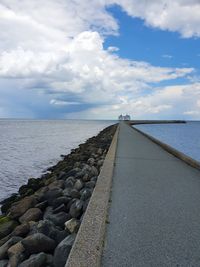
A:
184, 137
29, 147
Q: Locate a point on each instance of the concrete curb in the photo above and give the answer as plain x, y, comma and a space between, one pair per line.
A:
195, 164
88, 246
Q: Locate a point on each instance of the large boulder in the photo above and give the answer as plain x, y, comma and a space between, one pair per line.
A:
6, 226
78, 185
4, 248
16, 254
60, 200
21, 230
38, 243
59, 218
72, 225
33, 214
3, 263
52, 194
76, 209
62, 251
49, 229
19, 208
35, 260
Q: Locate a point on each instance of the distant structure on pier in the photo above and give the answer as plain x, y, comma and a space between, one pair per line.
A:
124, 118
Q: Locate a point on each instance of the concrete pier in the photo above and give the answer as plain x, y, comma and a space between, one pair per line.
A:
154, 216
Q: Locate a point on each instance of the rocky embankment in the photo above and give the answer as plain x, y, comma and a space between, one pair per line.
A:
39, 224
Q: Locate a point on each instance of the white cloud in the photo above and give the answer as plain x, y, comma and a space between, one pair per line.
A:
56, 48
182, 16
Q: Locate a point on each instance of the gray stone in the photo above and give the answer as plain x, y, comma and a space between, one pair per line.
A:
76, 209
6, 226
33, 214
16, 254
70, 181
67, 192
38, 243
85, 194
4, 248
59, 218
3, 263
62, 207
36, 260
86, 177
60, 200
42, 205
90, 184
49, 229
57, 184
94, 171
21, 230
75, 193
52, 194
78, 185
100, 162
91, 161
72, 225
62, 251
19, 208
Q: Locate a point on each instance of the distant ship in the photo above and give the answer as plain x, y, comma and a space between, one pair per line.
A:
124, 118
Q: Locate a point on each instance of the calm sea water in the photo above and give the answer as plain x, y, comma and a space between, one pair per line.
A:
185, 137
29, 147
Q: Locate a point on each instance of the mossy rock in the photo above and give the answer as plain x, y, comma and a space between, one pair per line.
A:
6, 226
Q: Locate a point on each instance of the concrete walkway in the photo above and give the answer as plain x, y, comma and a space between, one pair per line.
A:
155, 209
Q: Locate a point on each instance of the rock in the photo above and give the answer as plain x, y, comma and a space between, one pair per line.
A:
70, 181
33, 214
38, 243
85, 194
62, 251
67, 192
76, 209
62, 207
36, 260
48, 212
75, 193
59, 218
59, 201
42, 205
21, 230
90, 184
100, 162
94, 179
78, 185
86, 177
49, 229
39, 194
6, 226
94, 171
19, 208
6, 203
49, 260
99, 151
61, 175
73, 172
4, 249
57, 184
72, 225
91, 161
3, 263
5, 239
16, 254
52, 194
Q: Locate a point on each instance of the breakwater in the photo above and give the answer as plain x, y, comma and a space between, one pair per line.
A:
39, 224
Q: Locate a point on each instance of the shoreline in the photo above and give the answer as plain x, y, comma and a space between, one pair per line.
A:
49, 210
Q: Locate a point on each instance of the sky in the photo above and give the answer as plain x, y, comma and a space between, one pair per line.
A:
72, 59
